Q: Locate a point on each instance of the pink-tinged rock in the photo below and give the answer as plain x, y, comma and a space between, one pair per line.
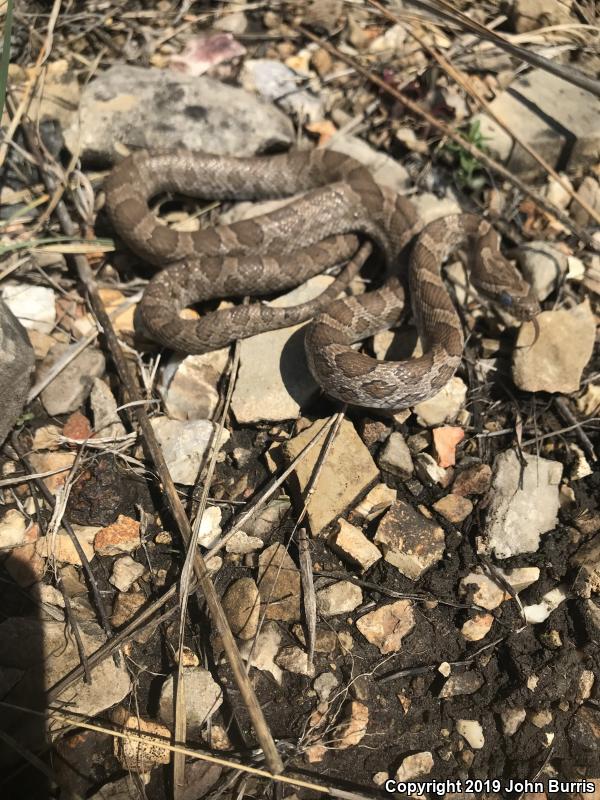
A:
123, 536
388, 625
445, 440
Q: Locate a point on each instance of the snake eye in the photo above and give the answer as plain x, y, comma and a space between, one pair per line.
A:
505, 299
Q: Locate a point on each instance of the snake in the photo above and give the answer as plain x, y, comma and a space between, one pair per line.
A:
338, 216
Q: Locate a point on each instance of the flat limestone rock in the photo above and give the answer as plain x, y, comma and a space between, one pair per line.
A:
524, 503
142, 108
274, 381
347, 471
552, 358
559, 120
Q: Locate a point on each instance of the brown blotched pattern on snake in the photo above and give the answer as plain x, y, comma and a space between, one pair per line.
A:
342, 207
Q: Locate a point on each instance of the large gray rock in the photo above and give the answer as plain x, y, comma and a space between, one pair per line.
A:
559, 120
154, 108
16, 365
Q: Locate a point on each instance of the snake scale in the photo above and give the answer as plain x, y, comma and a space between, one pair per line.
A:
342, 214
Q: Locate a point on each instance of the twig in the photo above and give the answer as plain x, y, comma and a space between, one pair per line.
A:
490, 163
308, 595
128, 378
568, 416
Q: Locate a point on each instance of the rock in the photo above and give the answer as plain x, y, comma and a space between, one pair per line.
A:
341, 597
192, 384
13, 526
472, 731
17, 362
589, 402
152, 108
410, 541
454, 508
60, 463
25, 566
556, 118
279, 583
77, 427
324, 685
584, 731
415, 766
185, 445
293, 659
375, 502
445, 440
462, 683
47, 438
107, 423
267, 519
353, 729
387, 626
71, 387
512, 719
473, 480
477, 627
241, 543
210, 527
203, 698
529, 15
385, 170
444, 406
428, 471
524, 503
589, 192
34, 306
279, 84
431, 207
347, 471
552, 357
123, 536
265, 650
206, 51
234, 22
274, 382
396, 457
539, 612
241, 604
126, 607
354, 546
541, 719
326, 640
486, 593
46, 651
139, 755
520, 578
543, 267
62, 549
125, 573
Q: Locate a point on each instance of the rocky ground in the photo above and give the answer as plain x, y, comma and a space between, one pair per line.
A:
414, 596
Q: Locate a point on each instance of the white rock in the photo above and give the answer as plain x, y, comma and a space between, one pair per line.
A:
472, 731
12, 529
375, 502
396, 457
210, 527
294, 659
415, 766
125, 573
512, 719
192, 384
539, 612
274, 81
274, 381
338, 598
185, 445
444, 406
524, 503
543, 267
203, 698
520, 578
324, 685
241, 543
34, 306
265, 650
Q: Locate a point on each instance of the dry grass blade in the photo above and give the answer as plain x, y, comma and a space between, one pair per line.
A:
5, 60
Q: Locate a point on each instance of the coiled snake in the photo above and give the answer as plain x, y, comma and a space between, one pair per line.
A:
342, 207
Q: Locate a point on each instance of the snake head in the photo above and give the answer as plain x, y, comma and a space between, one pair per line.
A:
520, 301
